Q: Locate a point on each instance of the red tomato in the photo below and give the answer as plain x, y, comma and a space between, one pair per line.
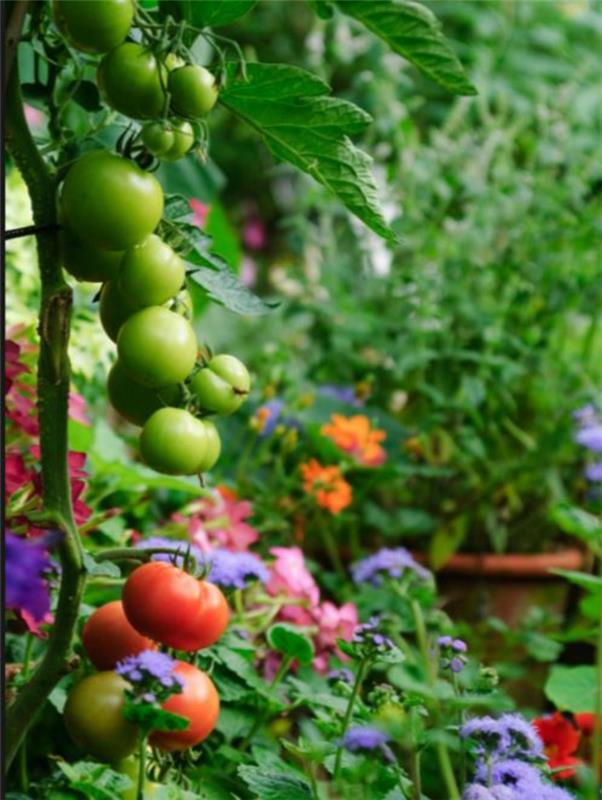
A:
198, 702
172, 607
108, 637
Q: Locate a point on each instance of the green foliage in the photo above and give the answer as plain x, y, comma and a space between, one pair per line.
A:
288, 640
572, 688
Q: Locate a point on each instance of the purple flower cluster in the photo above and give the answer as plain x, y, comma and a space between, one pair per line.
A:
234, 570
589, 435
387, 561
26, 563
454, 651
152, 676
366, 738
505, 748
369, 634
344, 394
344, 675
178, 548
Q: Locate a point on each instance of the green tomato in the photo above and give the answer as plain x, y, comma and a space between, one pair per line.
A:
172, 61
150, 273
222, 385
114, 309
131, 81
193, 91
94, 27
157, 137
174, 442
94, 718
110, 202
87, 263
183, 140
157, 347
213, 447
130, 766
135, 402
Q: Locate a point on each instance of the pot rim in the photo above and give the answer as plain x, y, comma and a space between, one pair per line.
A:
511, 564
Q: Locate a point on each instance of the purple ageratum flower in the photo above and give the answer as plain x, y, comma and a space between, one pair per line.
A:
457, 665
503, 793
344, 394
391, 562
345, 675
178, 547
550, 792
593, 472
510, 772
368, 634
269, 414
234, 570
476, 792
590, 437
366, 738
149, 665
519, 737
586, 416
485, 732
26, 561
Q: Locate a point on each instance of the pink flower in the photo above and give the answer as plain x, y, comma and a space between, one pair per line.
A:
77, 408
291, 577
248, 272
33, 116
219, 521
335, 623
254, 234
201, 212
16, 473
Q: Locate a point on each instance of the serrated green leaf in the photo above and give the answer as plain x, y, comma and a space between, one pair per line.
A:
95, 781
275, 786
413, 31
287, 639
290, 108
213, 13
572, 688
226, 288
100, 569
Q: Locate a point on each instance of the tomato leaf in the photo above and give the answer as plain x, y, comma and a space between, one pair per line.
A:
275, 786
96, 781
287, 639
213, 13
413, 31
100, 569
579, 523
151, 718
291, 110
572, 688
224, 287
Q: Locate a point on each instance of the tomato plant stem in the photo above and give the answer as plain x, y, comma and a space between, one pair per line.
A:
53, 395
361, 671
141, 766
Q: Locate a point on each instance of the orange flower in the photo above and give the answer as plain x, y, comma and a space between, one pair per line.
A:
327, 485
355, 436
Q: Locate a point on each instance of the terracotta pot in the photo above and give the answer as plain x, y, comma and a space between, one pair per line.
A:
474, 587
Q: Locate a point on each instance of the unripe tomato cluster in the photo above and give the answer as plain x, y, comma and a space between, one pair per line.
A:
109, 210
133, 81
160, 604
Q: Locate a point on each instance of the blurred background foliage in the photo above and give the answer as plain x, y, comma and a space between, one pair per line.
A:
472, 341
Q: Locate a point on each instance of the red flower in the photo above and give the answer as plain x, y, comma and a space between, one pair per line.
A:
560, 738
585, 723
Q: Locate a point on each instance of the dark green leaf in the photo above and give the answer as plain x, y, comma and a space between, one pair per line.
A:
95, 781
151, 718
213, 13
323, 8
290, 108
176, 207
579, 523
225, 287
86, 94
275, 786
288, 640
572, 688
413, 31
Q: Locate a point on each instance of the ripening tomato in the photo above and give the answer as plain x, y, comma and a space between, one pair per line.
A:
183, 139
110, 202
174, 442
87, 263
93, 716
174, 608
193, 91
131, 81
94, 27
157, 347
150, 273
135, 402
198, 702
222, 385
114, 309
108, 637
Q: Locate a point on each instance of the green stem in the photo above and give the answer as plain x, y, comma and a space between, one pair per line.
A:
141, 766
53, 394
361, 671
415, 769
331, 547
260, 719
597, 735
445, 764
23, 770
